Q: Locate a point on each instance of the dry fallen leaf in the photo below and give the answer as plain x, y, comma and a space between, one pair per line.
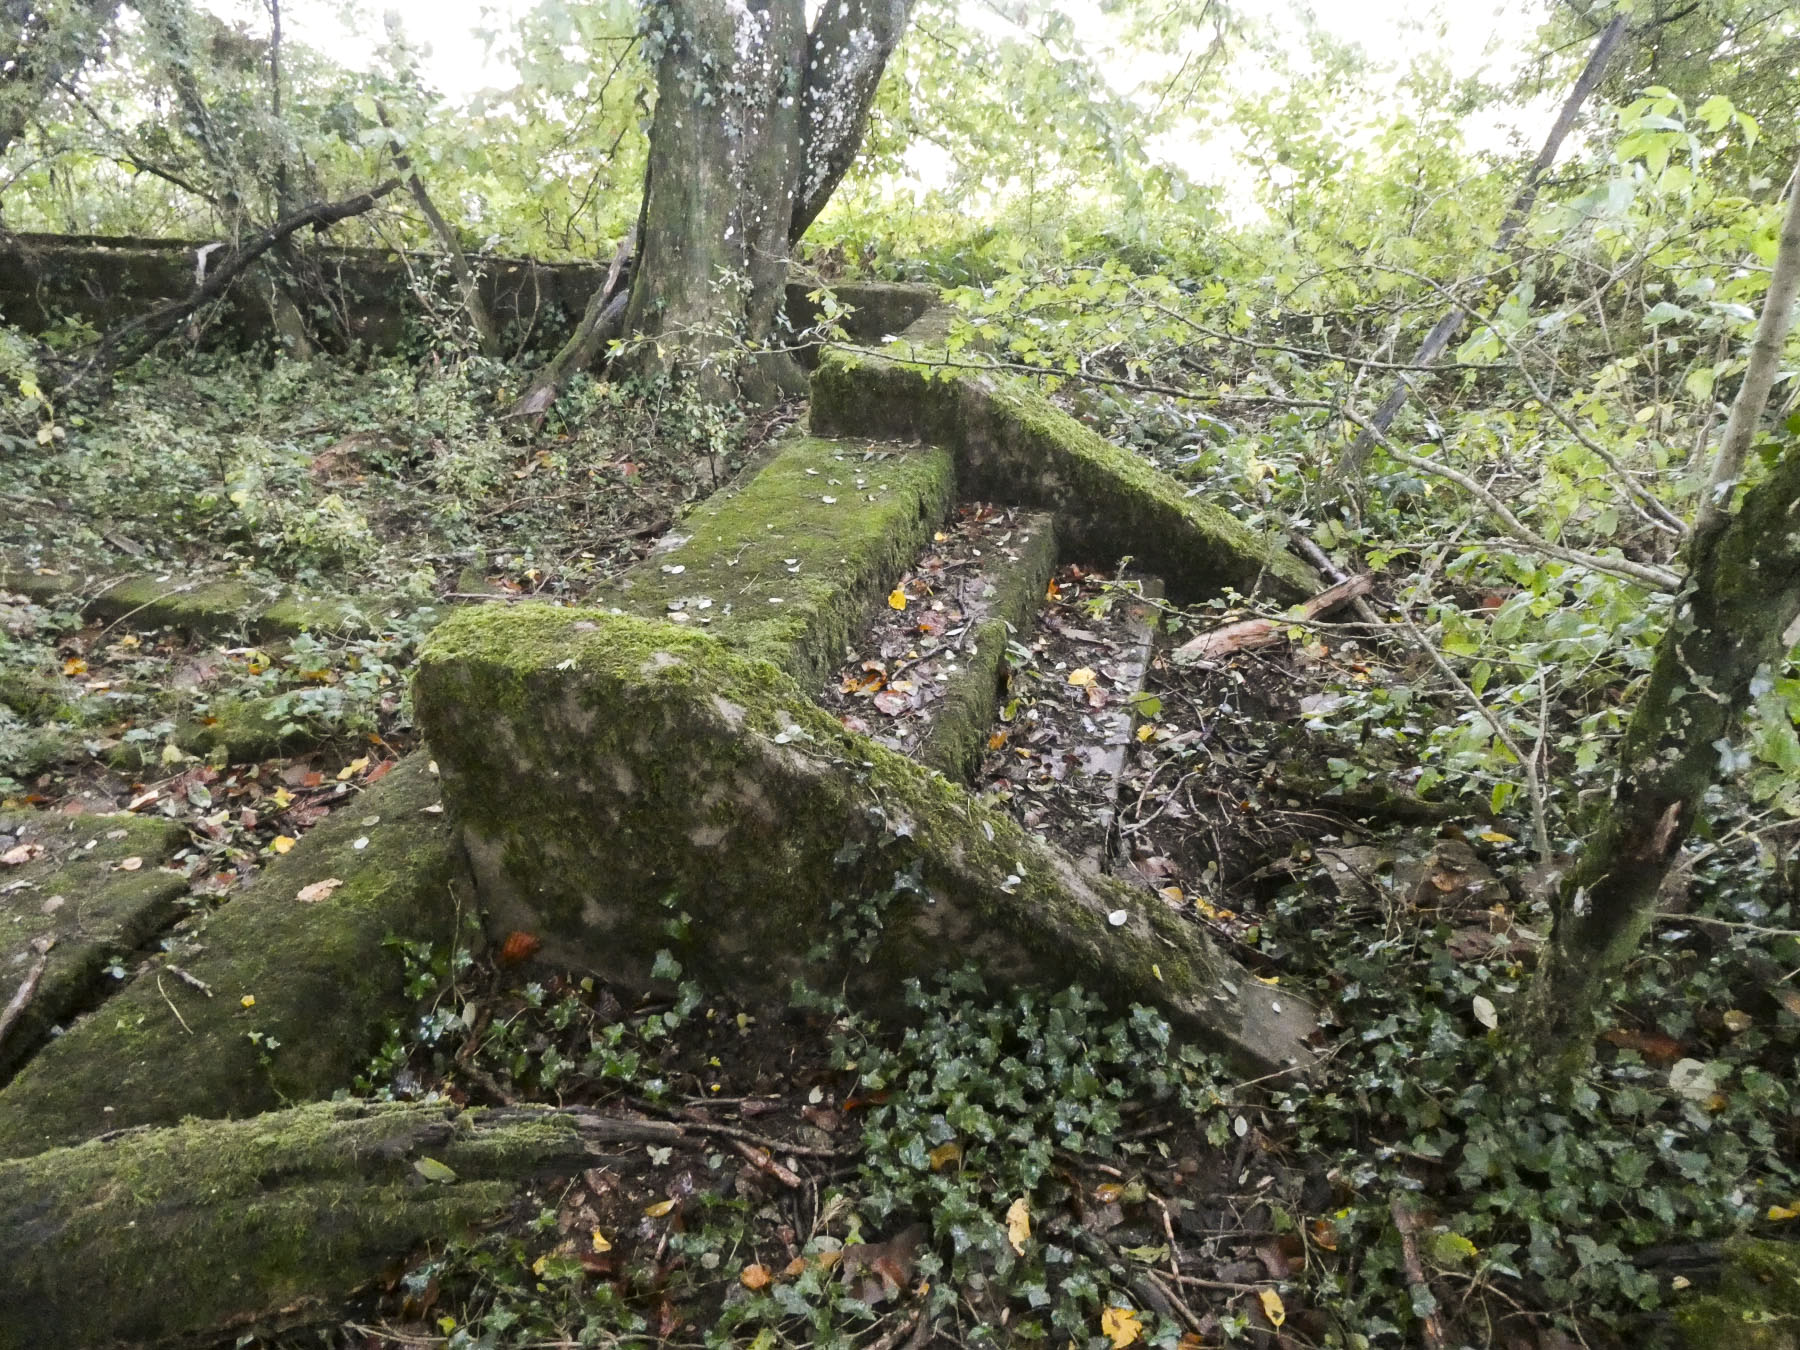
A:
519, 946
1018, 1224
353, 768
945, 1154
897, 598
1082, 678
1121, 1326
319, 890
281, 843
600, 1242
1272, 1306
659, 1209
755, 1277
130, 864
21, 854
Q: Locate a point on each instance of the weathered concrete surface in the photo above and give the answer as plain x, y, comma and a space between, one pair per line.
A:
163, 1236
316, 976
786, 566
94, 893
965, 713
198, 608
623, 786
1016, 447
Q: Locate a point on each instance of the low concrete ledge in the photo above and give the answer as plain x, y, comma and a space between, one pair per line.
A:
624, 787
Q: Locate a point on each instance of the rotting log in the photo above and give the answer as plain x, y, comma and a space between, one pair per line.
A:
623, 787
152, 1236
311, 980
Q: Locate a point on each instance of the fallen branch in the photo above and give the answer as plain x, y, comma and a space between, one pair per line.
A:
602, 319
1431, 1326
133, 338
1646, 574
1252, 633
21, 999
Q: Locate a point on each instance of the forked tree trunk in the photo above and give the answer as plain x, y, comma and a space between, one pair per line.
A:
757, 121
1726, 633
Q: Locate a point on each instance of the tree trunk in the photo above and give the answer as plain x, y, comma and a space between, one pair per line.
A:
38, 48
1725, 635
756, 123
166, 1235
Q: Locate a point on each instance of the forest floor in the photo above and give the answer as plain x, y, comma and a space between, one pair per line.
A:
1013, 1167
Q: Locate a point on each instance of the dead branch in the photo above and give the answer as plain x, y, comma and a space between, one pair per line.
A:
135, 337
1252, 633
604, 315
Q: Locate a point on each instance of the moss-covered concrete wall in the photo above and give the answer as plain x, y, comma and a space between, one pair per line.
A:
1014, 446
176, 1235
787, 565
103, 281
624, 787
313, 976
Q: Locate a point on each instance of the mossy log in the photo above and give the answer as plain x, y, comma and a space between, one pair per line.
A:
1013, 446
310, 979
624, 787
152, 1236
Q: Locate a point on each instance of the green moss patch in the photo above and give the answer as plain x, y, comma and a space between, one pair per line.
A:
201, 609
93, 895
310, 980
624, 787
160, 1234
1757, 1304
786, 566
1014, 446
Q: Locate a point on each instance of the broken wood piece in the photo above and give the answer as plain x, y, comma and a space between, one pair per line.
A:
1251, 633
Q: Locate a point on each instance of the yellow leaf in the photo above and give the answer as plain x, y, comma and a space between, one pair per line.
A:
282, 798
1081, 678
659, 1209
755, 1277
247, 1001
1121, 1326
1272, 1306
1018, 1224
1146, 731
945, 1154
897, 598
600, 1242
353, 768
1782, 1213
1172, 894
1737, 1020
281, 843
74, 666
1495, 837
1108, 1191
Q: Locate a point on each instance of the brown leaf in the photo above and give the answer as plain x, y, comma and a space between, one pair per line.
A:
1652, 1045
757, 1276
319, 890
519, 946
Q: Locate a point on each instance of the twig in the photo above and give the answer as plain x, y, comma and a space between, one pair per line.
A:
1431, 1326
171, 1002
15, 1006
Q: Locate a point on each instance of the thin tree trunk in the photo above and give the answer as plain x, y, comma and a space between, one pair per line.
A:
1444, 331
1762, 368
486, 334
1726, 633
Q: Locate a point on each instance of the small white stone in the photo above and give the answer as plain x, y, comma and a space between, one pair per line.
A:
1119, 917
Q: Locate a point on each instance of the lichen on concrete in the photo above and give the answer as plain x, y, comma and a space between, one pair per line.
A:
622, 787
316, 976
786, 566
1014, 446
